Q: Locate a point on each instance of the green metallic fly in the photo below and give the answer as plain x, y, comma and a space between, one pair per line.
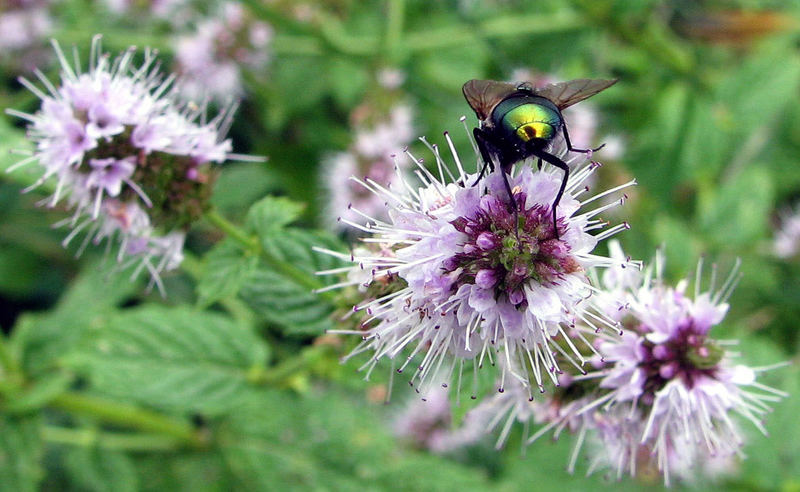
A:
521, 121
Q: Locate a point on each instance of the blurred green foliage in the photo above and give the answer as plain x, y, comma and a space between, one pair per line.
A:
227, 383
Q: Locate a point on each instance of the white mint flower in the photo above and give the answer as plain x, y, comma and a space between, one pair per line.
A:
464, 281
667, 394
127, 156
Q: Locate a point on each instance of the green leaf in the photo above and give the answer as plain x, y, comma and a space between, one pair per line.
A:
44, 339
240, 185
737, 214
348, 81
450, 68
173, 358
189, 472
761, 87
13, 139
285, 299
681, 248
269, 215
226, 270
328, 441
20, 453
101, 470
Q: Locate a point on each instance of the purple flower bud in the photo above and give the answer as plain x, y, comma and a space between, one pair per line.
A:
661, 352
516, 296
486, 279
668, 371
486, 241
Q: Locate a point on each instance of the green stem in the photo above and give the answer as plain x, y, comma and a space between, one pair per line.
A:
498, 27
110, 440
121, 414
283, 372
394, 27
249, 242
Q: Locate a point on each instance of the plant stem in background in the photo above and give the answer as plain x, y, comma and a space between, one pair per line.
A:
125, 415
117, 441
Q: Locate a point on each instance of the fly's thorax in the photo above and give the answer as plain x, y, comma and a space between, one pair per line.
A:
525, 117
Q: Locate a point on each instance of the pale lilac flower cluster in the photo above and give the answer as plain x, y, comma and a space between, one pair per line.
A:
210, 61
786, 243
665, 394
370, 158
128, 158
23, 25
425, 423
454, 279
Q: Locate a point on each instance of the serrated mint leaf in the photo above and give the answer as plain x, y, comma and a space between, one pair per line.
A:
282, 301
226, 268
21, 451
271, 214
42, 339
177, 359
282, 291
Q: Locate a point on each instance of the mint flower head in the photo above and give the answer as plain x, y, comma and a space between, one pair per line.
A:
212, 58
452, 276
370, 156
129, 159
667, 393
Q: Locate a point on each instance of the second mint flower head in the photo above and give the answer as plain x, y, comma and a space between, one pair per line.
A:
127, 155
453, 277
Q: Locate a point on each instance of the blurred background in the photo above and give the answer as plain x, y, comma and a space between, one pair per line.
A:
705, 116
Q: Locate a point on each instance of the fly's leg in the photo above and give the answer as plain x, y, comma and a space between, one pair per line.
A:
484, 143
551, 159
573, 149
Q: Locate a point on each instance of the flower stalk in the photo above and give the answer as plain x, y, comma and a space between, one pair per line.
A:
130, 416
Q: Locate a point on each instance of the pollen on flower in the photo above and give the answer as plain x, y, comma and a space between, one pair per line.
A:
130, 160
473, 283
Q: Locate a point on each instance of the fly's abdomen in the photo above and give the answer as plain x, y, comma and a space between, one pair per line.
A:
528, 120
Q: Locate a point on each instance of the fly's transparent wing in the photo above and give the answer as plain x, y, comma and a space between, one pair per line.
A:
484, 95
565, 94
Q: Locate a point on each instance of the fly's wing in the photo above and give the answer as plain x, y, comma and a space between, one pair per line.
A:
565, 94
484, 95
